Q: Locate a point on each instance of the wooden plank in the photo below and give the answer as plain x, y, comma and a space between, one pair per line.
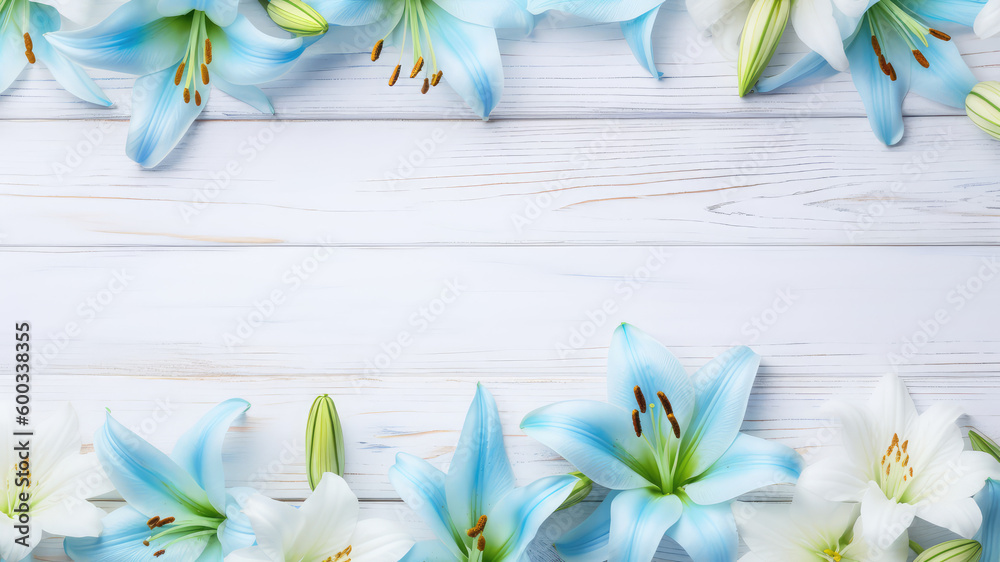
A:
161, 335
692, 181
568, 68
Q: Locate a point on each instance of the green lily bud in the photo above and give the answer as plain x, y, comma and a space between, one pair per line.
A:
761, 34
324, 441
295, 16
961, 550
983, 107
984, 444
580, 491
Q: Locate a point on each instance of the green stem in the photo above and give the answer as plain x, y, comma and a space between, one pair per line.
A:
916, 547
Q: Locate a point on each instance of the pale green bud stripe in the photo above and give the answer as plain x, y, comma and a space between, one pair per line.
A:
982, 107
297, 17
580, 491
962, 550
762, 32
324, 441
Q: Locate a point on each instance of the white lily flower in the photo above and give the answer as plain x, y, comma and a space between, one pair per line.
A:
61, 482
325, 529
899, 465
810, 529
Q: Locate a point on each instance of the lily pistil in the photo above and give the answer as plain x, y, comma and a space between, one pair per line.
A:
892, 17
414, 22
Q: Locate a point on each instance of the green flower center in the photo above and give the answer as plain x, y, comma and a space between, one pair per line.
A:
893, 17
342, 556
414, 22
18, 13
894, 473
665, 446
193, 69
175, 531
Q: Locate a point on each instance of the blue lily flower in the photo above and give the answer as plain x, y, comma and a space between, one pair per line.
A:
454, 40
23, 26
178, 47
475, 511
179, 509
635, 16
673, 463
890, 47
989, 533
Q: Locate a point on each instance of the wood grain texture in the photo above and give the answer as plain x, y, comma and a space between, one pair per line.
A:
608, 181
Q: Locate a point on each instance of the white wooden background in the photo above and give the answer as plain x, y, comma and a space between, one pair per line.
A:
706, 219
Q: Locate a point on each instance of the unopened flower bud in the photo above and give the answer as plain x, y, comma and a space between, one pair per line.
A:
761, 34
295, 16
324, 441
984, 444
580, 491
962, 550
983, 107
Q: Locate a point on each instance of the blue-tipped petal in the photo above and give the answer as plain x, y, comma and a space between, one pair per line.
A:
133, 39
250, 95
213, 553
883, 98
199, 450
469, 56
588, 541
514, 522
148, 479
598, 10
221, 12
810, 68
723, 386
598, 439
639, 34
242, 54
948, 80
160, 117
422, 487
707, 532
236, 531
480, 473
498, 14
639, 519
121, 541
353, 13
962, 12
69, 75
749, 464
12, 62
636, 359
989, 533
429, 551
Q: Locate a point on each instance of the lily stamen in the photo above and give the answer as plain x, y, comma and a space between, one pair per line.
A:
417, 67
636, 424
939, 34
478, 529
640, 399
921, 58
395, 75
29, 48
416, 32
481, 543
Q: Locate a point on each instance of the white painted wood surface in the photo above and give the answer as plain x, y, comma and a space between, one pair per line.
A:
278, 258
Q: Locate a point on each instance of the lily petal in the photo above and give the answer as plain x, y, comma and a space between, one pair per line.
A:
707, 532
751, 463
244, 55
160, 117
498, 14
276, 525
637, 359
422, 487
199, 450
124, 530
133, 39
962, 12
588, 541
378, 540
883, 98
834, 478
10, 65
815, 24
723, 386
221, 12
470, 59
331, 516
987, 25
63, 508
603, 11
639, 34
948, 80
69, 75
516, 519
639, 519
236, 531
598, 439
430, 551
480, 473
707, 14
148, 479
250, 95
885, 519
988, 500
961, 516
812, 67
354, 13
